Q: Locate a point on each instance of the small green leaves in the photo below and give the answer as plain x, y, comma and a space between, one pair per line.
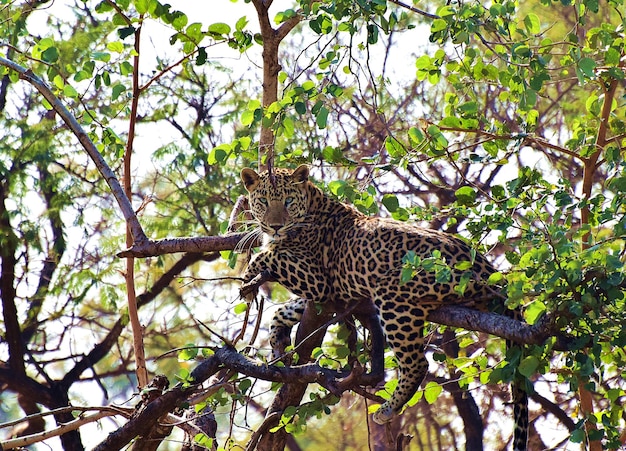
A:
190, 352
143, 6
69, 91
283, 16
395, 148
117, 90
115, 47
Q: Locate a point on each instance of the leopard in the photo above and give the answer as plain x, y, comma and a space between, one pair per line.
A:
319, 248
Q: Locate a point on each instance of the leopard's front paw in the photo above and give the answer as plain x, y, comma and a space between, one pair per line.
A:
249, 290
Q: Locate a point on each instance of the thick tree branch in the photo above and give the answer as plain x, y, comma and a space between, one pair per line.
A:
8, 262
500, 326
271, 67
151, 248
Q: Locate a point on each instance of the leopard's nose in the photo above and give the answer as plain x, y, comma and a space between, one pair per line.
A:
275, 227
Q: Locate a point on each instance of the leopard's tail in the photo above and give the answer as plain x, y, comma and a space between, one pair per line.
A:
519, 397
520, 416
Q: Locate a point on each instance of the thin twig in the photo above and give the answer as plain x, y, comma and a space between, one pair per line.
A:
62, 429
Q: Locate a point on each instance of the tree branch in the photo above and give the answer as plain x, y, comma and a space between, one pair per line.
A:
152, 248
62, 429
500, 326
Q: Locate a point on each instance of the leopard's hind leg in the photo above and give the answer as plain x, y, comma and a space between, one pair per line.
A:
403, 323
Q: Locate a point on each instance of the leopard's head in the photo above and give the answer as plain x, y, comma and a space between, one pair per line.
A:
281, 207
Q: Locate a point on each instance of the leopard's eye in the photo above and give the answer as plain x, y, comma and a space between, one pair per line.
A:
263, 200
288, 201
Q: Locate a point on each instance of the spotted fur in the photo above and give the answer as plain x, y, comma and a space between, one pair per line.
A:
319, 249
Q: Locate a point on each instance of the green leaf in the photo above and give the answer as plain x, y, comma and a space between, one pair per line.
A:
219, 28
463, 265
288, 127
101, 56
240, 308
533, 311
322, 117
469, 107
337, 187
528, 366
390, 201
432, 392
437, 137
536, 82
423, 62
528, 99
587, 66
245, 142
189, 353
69, 91
416, 136
50, 55
117, 90
124, 32
241, 23
115, 47
244, 385
372, 34
219, 154
194, 32
466, 195
58, 81
247, 117
126, 68
438, 25
495, 278
143, 6
300, 107
394, 147
532, 23
45, 43
180, 21
578, 436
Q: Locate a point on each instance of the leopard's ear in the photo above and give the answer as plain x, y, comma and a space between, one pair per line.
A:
301, 174
250, 179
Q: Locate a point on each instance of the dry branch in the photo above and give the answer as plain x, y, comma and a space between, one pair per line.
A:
62, 429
